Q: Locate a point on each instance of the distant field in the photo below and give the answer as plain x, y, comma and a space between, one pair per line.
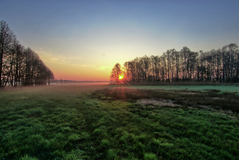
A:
222, 88
102, 122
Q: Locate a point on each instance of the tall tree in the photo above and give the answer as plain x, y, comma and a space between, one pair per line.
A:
5, 42
115, 73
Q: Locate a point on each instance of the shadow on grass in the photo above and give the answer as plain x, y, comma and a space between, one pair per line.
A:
211, 98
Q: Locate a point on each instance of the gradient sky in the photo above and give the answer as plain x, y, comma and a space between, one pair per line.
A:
84, 39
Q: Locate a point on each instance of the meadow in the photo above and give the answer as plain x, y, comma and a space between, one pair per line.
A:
222, 88
107, 122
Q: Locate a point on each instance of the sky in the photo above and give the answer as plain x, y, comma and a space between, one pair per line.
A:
84, 39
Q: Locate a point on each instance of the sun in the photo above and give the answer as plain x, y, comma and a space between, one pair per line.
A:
121, 77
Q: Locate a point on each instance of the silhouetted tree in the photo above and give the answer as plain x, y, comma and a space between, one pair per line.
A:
19, 65
220, 65
5, 43
115, 73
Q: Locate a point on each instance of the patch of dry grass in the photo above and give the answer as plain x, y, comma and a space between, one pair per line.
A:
162, 103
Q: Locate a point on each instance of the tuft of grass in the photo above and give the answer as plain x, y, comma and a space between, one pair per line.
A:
150, 156
26, 157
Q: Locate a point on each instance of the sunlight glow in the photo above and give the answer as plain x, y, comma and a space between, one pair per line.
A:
121, 77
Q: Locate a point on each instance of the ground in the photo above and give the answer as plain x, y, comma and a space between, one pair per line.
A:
108, 122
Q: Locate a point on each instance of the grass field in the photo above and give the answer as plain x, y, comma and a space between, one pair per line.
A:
222, 88
90, 122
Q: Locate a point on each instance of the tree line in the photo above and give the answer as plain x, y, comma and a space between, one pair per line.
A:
221, 65
20, 65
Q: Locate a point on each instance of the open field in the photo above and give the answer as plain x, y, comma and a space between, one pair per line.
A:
222, 88
102, 122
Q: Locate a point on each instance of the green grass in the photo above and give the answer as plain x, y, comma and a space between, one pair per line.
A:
222, 88
56, 123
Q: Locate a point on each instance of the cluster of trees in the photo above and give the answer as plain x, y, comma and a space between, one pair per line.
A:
19, 65
220, 65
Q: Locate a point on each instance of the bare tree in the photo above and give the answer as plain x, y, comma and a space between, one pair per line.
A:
115, 73
5, 42
19, 65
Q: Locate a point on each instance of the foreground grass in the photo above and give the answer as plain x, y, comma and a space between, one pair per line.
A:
108, 124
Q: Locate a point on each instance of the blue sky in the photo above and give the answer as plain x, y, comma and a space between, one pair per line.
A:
82, 40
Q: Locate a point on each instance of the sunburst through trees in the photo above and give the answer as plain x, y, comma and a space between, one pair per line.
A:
118, 75
221, 65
